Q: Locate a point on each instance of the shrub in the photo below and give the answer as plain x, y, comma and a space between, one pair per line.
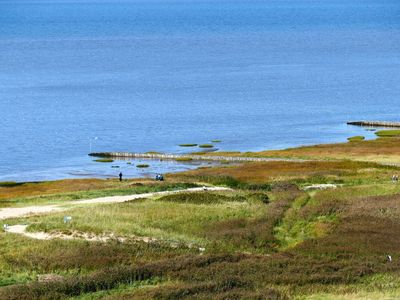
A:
262, 197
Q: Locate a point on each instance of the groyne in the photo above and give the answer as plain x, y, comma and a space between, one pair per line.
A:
189, 157
374, 123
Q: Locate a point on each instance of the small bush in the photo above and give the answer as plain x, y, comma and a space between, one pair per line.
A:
262, 197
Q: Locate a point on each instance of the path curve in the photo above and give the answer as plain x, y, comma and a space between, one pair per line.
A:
16, 212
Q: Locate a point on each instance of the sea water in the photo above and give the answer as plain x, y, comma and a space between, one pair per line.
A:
147, 75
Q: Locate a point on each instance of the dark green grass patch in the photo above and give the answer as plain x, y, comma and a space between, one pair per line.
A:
388, 133
206, 146
357, 138
142, 166
104, 160
188, 145
184, 159
10, 184
200, 198
216, 141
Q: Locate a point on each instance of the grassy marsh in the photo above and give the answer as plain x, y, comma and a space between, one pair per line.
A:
267, 238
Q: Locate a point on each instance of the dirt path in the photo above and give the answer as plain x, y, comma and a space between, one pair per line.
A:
16, 212
21, 229
90, 237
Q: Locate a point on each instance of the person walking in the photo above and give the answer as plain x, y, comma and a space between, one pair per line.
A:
120, 176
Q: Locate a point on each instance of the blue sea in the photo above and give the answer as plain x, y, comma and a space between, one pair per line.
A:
147, 75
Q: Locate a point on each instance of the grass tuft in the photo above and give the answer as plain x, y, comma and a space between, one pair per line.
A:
206, 146
183, 159
357, 138
142, 166
188, 145
9, 184
388, 133
104, 160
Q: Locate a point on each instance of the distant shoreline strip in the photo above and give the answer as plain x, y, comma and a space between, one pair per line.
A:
190, 156
374, 123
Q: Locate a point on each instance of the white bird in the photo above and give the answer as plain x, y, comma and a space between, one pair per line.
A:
389, 258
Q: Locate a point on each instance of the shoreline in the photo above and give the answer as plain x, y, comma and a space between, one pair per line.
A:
190, 157
185, 162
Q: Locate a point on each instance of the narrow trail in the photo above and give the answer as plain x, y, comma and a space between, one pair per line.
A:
16, 212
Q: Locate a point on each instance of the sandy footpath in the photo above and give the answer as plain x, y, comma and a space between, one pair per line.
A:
16, 212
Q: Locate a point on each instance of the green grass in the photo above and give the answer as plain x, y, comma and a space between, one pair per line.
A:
142, 166
357, 138
267, 239
216, 141
388, 133
153, 152
89, 194
188, 145
206, 146
9, 184
180, 217
184, 159
104, 160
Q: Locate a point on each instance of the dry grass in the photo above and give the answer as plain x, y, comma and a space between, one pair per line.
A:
379, 150
354, 251
261, 172
30, 189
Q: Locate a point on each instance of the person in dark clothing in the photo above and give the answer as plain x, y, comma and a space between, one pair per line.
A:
120, 176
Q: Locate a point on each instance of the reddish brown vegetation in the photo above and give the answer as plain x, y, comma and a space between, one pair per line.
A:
268, 171
381, 147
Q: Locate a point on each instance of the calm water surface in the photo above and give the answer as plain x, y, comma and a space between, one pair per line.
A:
149, 75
